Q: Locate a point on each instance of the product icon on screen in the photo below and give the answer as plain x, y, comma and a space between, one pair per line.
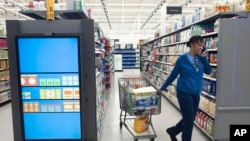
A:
28, 80
50, 94
32, 80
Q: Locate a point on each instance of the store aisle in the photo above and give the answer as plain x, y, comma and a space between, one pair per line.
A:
169, 116
111, 130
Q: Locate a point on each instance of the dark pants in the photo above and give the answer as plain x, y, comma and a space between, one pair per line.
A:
188, 106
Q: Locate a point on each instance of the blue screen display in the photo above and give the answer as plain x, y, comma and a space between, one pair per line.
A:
48, 54
52, 126
50, 92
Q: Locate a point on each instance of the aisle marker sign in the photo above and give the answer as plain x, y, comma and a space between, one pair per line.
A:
50, 9
247, 8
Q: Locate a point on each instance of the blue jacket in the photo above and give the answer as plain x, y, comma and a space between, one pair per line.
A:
190, 81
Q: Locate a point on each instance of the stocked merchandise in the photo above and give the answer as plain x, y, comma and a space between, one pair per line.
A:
205, 122
174, 44
3, 43
5, 94
130, 58
58, 60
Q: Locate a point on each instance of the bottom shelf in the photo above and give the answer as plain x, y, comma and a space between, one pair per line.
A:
130, 67
204, 131
4, 102
118, 70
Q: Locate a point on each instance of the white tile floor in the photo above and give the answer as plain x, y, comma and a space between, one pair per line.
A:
111, 130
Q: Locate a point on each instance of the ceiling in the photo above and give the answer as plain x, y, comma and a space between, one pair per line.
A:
123, 17
130, 15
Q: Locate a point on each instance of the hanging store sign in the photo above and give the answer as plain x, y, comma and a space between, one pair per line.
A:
174, 10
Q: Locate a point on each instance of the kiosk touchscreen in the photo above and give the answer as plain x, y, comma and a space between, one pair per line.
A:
49, 84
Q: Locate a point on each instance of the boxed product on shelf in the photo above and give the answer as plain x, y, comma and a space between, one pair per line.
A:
4, 75
4, 64
223, 6
4, 85
209, 86
212, 58
205, 123
3, 54
211, 42
3, 43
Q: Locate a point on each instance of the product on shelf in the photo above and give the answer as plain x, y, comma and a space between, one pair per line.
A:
205, 122
212, 58
3, 43
223, 6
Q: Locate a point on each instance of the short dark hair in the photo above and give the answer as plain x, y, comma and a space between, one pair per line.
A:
194, 39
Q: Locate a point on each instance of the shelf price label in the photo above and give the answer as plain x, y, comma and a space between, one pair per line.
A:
247, 8
50, 9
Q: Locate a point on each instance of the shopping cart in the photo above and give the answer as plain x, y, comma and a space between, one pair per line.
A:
138, 104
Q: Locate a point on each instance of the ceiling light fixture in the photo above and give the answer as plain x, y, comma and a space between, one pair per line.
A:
157, 7
106, 12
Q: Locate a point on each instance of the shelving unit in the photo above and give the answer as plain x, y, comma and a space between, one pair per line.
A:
109, 65
130, 58
5, 94
213, 92
104, 78
59, 14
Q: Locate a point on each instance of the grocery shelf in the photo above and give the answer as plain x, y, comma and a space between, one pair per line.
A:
4, 58
209, 34
157, 46
209, 78
128, 59
5, 101
4, 89
207, 94
59, 14
164, 63
161, 70
212, 49
176, 43
226, 94
120, 52
176, 54
206, 113
3, 37
204, 131
147, 60
130, 67
128, 56
3, 48
207, 19
98, 42
214, 65
165, 96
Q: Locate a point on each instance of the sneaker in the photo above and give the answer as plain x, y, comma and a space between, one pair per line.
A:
173, 138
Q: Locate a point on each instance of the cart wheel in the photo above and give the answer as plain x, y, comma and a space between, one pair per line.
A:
152, 139
136, 139
121, 125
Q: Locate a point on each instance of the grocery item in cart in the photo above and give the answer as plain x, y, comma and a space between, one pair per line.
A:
141, 124
145, 100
